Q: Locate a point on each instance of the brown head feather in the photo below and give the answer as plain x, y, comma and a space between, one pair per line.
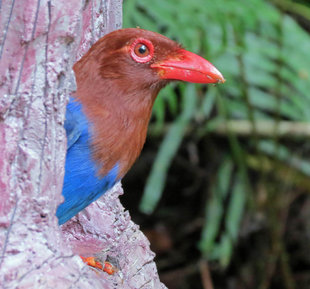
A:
117, 95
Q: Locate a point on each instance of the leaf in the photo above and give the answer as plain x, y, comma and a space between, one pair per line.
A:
156, 180
215, 207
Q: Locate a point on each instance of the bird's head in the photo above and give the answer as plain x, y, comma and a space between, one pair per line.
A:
118, 80
138, 59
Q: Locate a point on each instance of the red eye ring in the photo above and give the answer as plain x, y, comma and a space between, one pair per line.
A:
140, 47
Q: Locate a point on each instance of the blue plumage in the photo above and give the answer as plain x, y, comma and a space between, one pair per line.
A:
82, 185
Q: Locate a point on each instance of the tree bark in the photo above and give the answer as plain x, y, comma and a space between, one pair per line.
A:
39, 42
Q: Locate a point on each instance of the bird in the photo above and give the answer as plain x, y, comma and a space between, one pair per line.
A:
107, 117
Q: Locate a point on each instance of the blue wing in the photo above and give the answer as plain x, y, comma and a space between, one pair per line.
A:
81, 185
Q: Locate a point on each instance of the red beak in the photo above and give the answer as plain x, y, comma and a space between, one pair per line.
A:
189, 67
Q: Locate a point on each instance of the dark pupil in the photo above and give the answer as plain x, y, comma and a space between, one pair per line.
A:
142, 49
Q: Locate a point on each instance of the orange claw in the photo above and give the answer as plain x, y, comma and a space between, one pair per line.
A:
109, 268
93, 262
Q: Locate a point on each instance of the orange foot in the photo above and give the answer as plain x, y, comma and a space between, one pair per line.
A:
103, 266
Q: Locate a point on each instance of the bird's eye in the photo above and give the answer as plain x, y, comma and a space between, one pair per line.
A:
142, 50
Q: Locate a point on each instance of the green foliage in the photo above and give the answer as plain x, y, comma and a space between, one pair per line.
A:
168, 149
264, 56
215, 211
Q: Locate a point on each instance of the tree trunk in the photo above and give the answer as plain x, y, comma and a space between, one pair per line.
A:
39, 42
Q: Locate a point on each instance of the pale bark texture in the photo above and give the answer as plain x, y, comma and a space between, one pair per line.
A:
39, 42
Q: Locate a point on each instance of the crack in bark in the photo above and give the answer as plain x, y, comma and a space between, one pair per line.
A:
23, 59
92, 24
82, 273
6, 241
64, 257
102, 10
37, 267
147, 282
21, 69
7, 28
142, 267
21, 134
27, 46
45, 93
77, 280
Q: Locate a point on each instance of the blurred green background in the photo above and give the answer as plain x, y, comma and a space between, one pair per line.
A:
225, 170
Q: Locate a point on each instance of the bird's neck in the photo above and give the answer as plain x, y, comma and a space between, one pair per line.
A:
119, 117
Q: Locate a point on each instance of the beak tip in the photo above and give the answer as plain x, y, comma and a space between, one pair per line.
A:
221, 80
218, 76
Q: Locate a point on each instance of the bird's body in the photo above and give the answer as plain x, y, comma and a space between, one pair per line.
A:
106, 123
